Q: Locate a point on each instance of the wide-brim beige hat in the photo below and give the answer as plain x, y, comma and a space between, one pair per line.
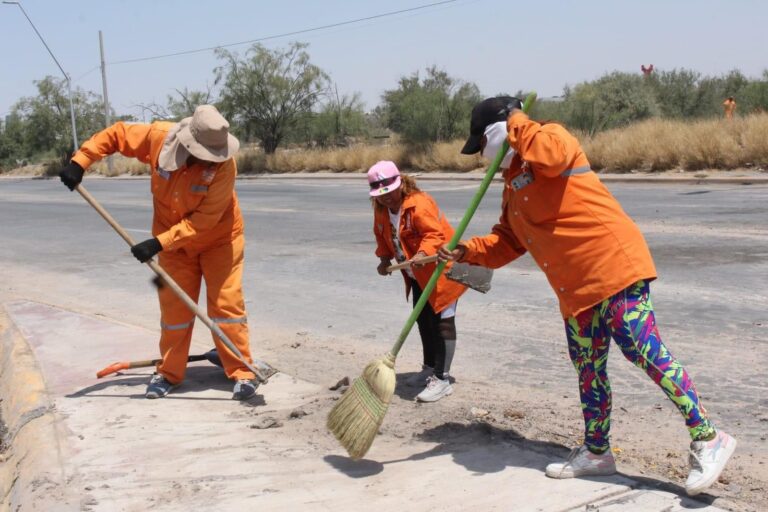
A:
205, 135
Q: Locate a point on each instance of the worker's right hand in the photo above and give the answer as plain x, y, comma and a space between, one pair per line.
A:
444, 254
382, 268
71, 175
144, 251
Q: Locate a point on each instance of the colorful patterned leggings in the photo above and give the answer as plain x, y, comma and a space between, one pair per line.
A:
628, 318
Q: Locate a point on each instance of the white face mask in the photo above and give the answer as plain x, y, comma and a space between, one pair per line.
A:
495, 135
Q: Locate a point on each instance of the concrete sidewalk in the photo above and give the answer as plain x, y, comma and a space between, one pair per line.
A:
78, 443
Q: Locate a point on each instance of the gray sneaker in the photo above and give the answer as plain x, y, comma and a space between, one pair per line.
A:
244, 389
159, 386
582, 462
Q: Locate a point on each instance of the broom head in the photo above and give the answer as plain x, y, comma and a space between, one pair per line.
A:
357, 416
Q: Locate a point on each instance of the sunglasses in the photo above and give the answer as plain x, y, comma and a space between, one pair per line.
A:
383, 183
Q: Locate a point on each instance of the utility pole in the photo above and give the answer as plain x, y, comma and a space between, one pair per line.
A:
66, 76
107, 117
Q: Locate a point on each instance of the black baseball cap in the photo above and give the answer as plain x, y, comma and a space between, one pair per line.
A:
488, 111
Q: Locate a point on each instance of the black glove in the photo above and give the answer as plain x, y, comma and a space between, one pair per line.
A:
145, 250
72, 175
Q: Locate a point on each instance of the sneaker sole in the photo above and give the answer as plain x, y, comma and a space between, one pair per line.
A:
705, 484
447, 392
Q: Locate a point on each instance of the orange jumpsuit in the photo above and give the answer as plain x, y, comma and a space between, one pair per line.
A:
729, 106
198, 222
555, 207
423, 228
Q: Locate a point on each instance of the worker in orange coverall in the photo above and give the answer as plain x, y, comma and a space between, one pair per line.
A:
729, 107
197, 230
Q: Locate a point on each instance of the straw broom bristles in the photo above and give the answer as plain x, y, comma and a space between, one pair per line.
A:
357, 416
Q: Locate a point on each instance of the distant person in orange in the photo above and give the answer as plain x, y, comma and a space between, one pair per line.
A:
197, 232
729, 107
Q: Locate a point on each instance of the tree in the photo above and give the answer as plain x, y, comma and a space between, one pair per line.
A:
12, 144
678, 93
44, 120
178, 106
340, 117
754, 96
434, 109
268, 92
614, 100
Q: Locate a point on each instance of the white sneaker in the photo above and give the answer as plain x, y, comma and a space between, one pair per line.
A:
420, 379
582, 462
435, 390
708, 459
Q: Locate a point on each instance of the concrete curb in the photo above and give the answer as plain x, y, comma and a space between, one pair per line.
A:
32, 473
470, 176
606, 178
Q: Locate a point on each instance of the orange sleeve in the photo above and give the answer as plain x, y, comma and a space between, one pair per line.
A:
382, 249
131, 140
548, 149
496, 249
427, 223
210, 210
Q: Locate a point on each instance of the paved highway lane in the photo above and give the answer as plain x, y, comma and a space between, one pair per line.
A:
310, 267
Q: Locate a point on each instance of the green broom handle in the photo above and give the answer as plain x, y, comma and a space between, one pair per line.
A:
489, 174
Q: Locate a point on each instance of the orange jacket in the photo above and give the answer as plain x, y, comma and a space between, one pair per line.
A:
194, 207
423, 228
555, 207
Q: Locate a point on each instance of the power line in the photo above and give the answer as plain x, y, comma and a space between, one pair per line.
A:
86, 73
286, 34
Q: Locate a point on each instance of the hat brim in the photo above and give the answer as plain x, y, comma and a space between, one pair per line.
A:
386, 190
205, 153
472, 145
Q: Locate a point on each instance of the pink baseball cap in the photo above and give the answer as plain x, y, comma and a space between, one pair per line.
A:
383, 178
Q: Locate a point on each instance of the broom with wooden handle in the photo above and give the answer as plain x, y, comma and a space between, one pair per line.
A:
357, 416
260, 369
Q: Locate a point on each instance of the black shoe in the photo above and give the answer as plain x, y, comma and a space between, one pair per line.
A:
244, 389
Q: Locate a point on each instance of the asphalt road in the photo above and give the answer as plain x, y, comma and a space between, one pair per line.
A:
310, 268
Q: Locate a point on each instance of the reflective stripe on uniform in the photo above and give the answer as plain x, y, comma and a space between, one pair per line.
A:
198, 188
174, 327
576, 170
241, 320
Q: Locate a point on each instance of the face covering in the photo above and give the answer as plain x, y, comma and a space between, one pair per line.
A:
495, 135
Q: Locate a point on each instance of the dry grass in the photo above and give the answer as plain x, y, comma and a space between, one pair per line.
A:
358, 158
653, 145
658, 145
120, 165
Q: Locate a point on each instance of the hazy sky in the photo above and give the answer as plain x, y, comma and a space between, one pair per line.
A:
502, 46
